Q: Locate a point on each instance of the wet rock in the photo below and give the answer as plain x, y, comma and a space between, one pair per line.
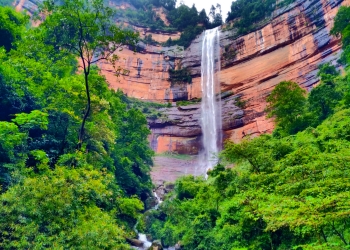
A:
169, 187
135, 242
150, 203
177, 246
156, 245
149, 237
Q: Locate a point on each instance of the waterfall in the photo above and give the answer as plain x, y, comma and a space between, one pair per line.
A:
210, 107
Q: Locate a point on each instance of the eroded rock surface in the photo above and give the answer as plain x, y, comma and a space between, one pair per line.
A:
181, 131
287, 46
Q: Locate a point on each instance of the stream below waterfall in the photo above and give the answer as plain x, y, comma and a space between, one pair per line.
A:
143, 238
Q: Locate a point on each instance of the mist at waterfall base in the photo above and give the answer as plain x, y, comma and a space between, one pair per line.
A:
211, 102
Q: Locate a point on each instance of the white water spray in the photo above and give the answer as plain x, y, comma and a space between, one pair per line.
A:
211, 106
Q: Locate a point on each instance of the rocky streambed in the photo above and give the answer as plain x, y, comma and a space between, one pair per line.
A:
146, 241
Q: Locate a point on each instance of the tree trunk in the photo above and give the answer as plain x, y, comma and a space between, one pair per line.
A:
87, 112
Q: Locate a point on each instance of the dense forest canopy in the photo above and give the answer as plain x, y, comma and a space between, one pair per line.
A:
75, 160
60, 188
188, 20
244, 16
288, 190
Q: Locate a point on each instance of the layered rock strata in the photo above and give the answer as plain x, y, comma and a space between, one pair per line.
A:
288, 46
181, 131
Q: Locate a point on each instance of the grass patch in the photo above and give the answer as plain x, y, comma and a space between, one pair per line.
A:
175, 155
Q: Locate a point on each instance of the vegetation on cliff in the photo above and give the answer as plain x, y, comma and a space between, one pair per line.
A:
288, 190
247, 14
185, 19
60, 190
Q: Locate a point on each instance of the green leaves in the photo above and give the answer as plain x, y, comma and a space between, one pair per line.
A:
35, 119
53, 195
12, 25
61, 209
286, 104
282, 193
84, 28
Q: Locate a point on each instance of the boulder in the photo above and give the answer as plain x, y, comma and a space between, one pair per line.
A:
135, 242
177, 246
149, 237
150, 203
156, 245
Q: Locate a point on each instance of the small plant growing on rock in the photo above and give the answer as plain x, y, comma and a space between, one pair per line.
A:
241, 103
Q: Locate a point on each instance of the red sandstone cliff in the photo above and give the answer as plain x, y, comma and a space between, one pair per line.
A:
288, 46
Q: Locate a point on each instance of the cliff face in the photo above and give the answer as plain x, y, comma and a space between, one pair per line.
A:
288, 46
180, 131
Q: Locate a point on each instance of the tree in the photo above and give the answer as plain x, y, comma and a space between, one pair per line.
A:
12, 24
286, 104
327, 73
215, 14
341, 20
342, 28
5, 2
323, 99
65, 208
203, 18
86, 29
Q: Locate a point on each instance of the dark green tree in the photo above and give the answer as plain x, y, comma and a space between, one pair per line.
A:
327, 73
323, 99
12, 25
86, 29
341, 20
286, 104
5, 2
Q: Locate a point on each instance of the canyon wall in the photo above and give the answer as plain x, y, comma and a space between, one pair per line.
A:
288, 46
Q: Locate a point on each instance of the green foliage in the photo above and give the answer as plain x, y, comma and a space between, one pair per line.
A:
289, 190
151, 110
327, 73
180, 76
247, 14
53, 195
187, 187
341, 21
189, 102
187, 36
175, 155
65, 208
12, 25
149, 40
5, 2
241, 103
286, 104
148, 17
36, 119
183, 18
323, 100
282, 194
342, 28
85, 29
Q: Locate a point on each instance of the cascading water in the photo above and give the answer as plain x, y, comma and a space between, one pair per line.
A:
210, 107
